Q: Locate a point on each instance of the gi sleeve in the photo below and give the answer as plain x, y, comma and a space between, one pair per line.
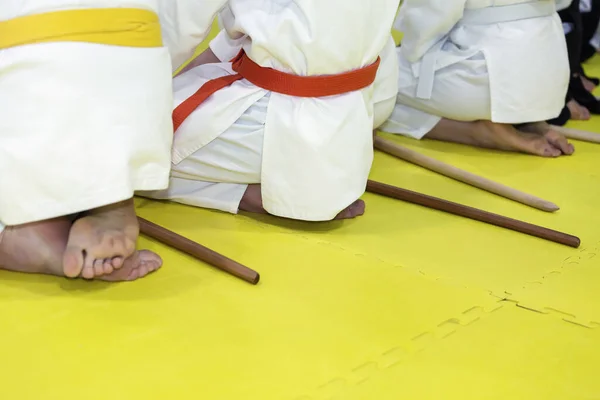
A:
425, 22
185, 24
226, 47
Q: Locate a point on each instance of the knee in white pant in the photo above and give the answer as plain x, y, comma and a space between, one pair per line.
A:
382, 110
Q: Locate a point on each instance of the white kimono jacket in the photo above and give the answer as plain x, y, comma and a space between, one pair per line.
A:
317, 152
81, 125
514, 58
185, 24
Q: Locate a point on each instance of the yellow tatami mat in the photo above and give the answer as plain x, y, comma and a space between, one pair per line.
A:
403, 303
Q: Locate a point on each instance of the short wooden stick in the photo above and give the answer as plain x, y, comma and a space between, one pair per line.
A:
577, 134
458, 174
472, 213
197, 251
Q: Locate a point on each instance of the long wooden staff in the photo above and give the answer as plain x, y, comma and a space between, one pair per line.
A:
469, 178
577, 134
472, 213
197, 251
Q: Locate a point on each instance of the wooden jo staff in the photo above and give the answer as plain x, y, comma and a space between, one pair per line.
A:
577, 134
472, 213
197, 251
463, 176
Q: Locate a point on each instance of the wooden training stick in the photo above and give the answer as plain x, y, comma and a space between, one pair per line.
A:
197, 251
577, 134
472, 213
463, 176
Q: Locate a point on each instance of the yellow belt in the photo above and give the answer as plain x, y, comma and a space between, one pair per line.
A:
130, 27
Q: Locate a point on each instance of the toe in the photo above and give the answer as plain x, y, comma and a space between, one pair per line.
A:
585, 113
107, 267
150, 258
550, 151
153, 265
117, 262
146, 267
73, 260
133, 274
140, 263
98, 267
359, 208
142, 270
88, 273
542, 147
535, 144
89, 264
129, 247
559, 142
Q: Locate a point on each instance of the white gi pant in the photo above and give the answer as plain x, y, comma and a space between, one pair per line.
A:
217, 175
415, 118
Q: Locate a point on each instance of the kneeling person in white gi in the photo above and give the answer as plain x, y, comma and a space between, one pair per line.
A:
303, 157
482, 73
85, 119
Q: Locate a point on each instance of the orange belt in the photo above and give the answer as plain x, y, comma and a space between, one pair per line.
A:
279, 82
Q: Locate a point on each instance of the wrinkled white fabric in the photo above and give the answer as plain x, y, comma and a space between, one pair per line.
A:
81, 125
185, 24
216, 175
317, 152
498, 72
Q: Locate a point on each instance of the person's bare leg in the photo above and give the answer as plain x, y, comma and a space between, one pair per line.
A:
503, 137
578, 112
101, 240
36, 247
252, 202
39, 247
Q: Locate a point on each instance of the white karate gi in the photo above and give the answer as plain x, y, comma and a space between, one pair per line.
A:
81, 125
311, 155
514, 71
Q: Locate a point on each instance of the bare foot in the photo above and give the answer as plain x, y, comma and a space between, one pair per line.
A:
101, 240
354, 210
503, 137
578, 112
138, 265
252, 202
38, 248
554, 138
587, 84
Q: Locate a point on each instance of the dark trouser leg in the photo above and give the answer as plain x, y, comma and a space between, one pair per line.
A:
590, 21
572, 17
